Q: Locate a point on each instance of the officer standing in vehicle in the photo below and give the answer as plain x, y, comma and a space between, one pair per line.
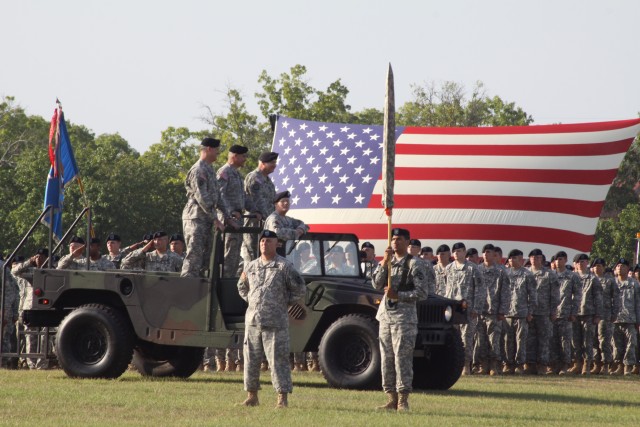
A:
398, 317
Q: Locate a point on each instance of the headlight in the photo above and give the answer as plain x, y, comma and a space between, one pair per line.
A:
448, 313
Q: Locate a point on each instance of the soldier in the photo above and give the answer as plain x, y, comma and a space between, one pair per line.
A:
176, 244
269, 284
286, 228
426, 253
369, 264
261, 191
522, 304
627, 324
487, 347
155, 256
588, 317
76, 261
398, 317
464, 282
232, 191
199, 214
473, 256
9, 314
336, 263
115, 254
415, 246
443, 255
610, 310
567, 312
545, 313
148, 237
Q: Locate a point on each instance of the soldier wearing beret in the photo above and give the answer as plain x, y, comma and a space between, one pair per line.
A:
627, 324
176, 244
155, 256
286, 228
398, 317
610, 310
200, 214
414, 247
76, 261
115, 254
269, 284
426, 253
369, 264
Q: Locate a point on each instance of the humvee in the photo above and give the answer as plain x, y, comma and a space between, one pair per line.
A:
161, 322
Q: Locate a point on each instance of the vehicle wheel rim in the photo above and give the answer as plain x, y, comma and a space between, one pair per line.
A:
90, 346
355, 356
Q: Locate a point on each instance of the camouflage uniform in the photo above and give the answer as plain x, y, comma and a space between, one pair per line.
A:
540, 333
232, 191
269, 287
494, 280
590, 307
261, 191
284, 226
399, 321
67, 262
117, 259
9, 313
369, 267
441, 279
568, 305
625, 333
465, 282
522, 303
198, 217
153, 261
610, 310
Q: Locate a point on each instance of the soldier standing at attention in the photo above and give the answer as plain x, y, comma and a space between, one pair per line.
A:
199, 214
627, 324
443, 255
269, 284
415, 246
398, 317
9, 314
610, 310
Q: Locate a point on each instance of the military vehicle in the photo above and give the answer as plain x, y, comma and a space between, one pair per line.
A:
161, 322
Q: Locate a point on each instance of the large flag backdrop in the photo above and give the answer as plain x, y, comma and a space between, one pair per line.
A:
525, 187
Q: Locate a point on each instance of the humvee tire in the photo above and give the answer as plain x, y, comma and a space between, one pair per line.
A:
349, 353
94, 341
443, 368
155, 360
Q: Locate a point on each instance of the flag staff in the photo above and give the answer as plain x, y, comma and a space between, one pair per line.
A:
389, 157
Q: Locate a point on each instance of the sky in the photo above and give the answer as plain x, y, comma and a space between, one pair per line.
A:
137, 67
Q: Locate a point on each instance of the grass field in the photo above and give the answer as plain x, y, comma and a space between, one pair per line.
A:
50, 398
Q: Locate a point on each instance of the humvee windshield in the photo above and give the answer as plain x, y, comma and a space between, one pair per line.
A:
340, 258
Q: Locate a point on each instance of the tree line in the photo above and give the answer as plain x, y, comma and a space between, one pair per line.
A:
132, 193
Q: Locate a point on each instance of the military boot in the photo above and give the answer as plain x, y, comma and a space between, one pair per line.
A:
520, 370
239, 367
563, 369
586, 367
635, 370
530, 368
605, 369
548, 370
403, 402
508, 369
392, 402
628, 370
252, 399
597, 367
493, 368
220, 365
619, 370
483, 369
577, 367
315, 366
231, 366
282, 401
264, 366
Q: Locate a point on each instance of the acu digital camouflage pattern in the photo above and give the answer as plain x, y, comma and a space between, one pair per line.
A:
590, 307
626, 325
541, 328
488, 339
9, 311
261, 190
284, 226
68, 262
610, 310
522, 303
153, 261
570, 290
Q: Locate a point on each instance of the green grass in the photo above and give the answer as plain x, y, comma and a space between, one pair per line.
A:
50, 398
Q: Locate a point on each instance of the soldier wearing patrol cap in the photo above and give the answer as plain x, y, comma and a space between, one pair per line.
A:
269, 284
627, 324
610, 309
398, 317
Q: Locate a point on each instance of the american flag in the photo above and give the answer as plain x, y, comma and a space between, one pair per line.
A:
518, 187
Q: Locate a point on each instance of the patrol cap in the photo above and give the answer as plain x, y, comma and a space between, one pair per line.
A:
210, 142
268, 234
581, 257
367, 245
623, 261
443, 248
561, 254
514, 253
488, 247
281, 195
472, 251
426, 249
43, 251
458, 245
77, 239
535, 252
175, 237
238, 149
402, 232
415, 242
113, 236
267, 157
598, 261
159, 234
94, 241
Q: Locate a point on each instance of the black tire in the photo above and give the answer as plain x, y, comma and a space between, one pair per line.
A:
349, 353
443, 368
94, 341
155, 360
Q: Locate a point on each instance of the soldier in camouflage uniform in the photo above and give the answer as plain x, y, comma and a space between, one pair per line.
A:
76, 261
588, 317
261, 190
369, 264
464, 282
522, 305
610, 310
568, 308
540, 333
398, 317
286, 228
115, 254
627, 324
199, 215
155, 256
269, 284
9, 313
443, 255
176, 245
487, 346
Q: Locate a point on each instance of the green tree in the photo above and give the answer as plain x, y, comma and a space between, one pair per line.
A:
617, 237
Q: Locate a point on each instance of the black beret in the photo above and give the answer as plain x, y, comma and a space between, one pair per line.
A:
148, 236
113, 236
458, 245
415, 242
472, 251
43, 251
401, 232
569, 267
581, 257
623, 261
77, 239
18, 258
443, 248
94, 241
515, 252
426, 249
497, 249
488, 247
535, 252
281, 195
598, 261
268, 234
238, 149
267, 157
367, 245
553, 258
159, 234
210, 142
637, 267
177, 236
561, 254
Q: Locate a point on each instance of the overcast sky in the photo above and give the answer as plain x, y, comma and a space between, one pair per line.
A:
138, 67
